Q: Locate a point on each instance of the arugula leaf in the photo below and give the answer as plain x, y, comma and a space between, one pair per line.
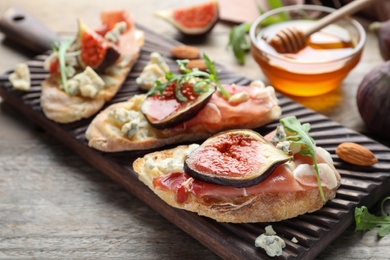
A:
204, 80
238, 39
62, 52
214, 76
239, 42
366, 221
298, 134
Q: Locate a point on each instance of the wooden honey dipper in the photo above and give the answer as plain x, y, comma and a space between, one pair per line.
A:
291, 39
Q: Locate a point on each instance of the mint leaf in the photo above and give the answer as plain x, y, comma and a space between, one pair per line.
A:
299, 134
366, 221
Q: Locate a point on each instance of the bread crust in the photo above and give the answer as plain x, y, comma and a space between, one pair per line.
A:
261, 207
103, 135
63, 108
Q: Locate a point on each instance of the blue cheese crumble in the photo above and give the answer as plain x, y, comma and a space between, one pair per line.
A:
87, 83
270, 242
116, 32
154, 70
20, 78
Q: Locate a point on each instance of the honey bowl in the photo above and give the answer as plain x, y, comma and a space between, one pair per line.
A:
320, 67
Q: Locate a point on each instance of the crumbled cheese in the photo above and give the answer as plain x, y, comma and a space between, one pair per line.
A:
279, 140
279, 136
70, 71
132, 123
130, 128
154, 70
20, 78
272, 244
284, 146
116, 32
294, 240
269, 230
171, 165
238, 98
168, 165
122, 115
88, 83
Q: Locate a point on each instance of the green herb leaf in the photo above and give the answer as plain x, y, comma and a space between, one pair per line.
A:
366, 221
214, 76
62, 51
203, 80
273, 4
238, 41
299, 134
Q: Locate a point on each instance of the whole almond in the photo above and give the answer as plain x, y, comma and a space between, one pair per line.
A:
356, 154
185, 52
199, 63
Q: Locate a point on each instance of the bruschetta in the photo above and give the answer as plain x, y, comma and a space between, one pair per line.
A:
238, 176
127, 125
88, 71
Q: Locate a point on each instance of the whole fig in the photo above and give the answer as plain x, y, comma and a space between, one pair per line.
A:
373, 100
382, 30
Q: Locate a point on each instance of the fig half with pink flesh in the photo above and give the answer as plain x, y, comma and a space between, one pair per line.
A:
166, 110
239, 158
193, 20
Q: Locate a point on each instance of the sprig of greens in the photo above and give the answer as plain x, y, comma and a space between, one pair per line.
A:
366, 221
299, 135
205, 79
62, 52
238, 39
214, 76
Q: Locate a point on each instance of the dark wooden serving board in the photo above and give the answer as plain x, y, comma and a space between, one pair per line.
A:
315, 231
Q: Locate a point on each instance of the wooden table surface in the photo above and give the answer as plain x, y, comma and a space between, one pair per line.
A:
55, 205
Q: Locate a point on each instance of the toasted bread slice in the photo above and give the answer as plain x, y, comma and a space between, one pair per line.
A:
64, 108
105, 134
277, 198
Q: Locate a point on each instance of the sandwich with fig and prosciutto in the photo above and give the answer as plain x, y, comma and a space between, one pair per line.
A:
182, 107
240, 176
88, 71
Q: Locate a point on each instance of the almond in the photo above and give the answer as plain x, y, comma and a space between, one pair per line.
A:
185, 52
200, 64
356, 154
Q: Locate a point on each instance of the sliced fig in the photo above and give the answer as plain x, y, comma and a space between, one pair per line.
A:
239, 158
96, 52
193, 20
168, 110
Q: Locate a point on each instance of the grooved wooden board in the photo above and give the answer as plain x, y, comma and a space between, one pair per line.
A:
314, 232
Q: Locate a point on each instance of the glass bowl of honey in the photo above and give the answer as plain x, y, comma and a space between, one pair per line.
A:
321, 66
